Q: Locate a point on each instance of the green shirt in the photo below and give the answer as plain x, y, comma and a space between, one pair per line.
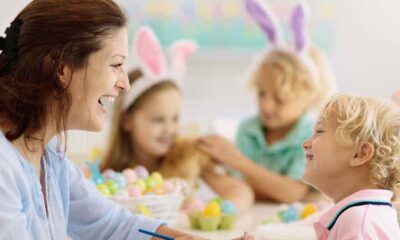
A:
286, 156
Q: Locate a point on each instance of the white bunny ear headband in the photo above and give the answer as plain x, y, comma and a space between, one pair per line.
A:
152, 63
268, 23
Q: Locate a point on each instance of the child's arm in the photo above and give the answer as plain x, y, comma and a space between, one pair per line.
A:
237, 191
270, 185
265, 183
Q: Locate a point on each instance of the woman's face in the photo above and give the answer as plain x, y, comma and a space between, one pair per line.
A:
100, 81
154, 126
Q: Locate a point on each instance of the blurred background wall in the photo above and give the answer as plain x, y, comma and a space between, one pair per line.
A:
361, 39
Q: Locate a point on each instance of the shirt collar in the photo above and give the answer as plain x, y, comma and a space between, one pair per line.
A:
363, 195
291, 139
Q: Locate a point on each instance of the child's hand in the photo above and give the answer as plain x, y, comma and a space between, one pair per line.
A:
396, 97
222, 150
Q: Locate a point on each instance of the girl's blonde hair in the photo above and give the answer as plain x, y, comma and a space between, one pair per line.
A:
363, 119
294, 79
119, 154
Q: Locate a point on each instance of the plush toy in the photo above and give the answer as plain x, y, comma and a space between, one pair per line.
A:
186, 161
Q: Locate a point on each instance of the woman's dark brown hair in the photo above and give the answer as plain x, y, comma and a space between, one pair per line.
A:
52, 33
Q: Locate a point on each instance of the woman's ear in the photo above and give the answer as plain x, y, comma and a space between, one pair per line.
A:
64, 74
363, 155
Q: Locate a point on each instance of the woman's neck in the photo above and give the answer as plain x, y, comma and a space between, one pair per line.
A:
31, 146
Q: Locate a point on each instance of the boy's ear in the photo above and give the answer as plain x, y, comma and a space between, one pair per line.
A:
64, 74
363, 155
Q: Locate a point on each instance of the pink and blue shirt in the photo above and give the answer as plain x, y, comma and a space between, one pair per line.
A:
366, 214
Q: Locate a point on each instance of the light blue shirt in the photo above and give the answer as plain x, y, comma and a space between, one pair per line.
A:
74, 204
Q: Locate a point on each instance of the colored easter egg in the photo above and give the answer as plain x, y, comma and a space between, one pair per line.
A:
95, 153
112, 186
104, 189
212, 209
141, 184
122, 195
158, 189
108, 173
195, 205
157, 177
145, 211
150, 183
120, 180
130, 175
227, 207
169, 187
141, 172
134, 191
291, 214
308, 210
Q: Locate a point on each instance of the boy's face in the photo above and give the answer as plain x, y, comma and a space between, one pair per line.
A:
274, 112
327, 160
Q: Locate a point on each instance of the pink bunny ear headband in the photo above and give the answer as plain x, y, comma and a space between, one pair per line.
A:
268, 23
396, 97
151, 61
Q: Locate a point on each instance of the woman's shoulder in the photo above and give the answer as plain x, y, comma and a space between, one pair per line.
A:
11, 168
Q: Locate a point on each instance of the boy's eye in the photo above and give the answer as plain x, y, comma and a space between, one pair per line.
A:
319, 131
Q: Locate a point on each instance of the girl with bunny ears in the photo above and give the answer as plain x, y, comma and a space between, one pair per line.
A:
146, 117
146, 120
289, 81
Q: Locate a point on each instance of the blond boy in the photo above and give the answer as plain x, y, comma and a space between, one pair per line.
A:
354, 158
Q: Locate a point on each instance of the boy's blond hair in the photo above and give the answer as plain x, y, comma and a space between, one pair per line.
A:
293, 79
363, 119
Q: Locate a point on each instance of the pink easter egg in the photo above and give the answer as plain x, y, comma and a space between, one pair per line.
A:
193, 205
141, 172
130, 175
197, 205
108, 173
168, 186
134, 191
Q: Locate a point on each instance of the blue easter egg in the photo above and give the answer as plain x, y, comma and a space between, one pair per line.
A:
291, 214
228, 207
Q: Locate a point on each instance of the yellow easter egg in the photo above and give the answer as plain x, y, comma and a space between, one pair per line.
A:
158, 189
141, 185
157, 177
308, 210
145, 211
95, 153
212, 209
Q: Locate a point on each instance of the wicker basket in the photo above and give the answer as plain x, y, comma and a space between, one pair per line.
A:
162, 207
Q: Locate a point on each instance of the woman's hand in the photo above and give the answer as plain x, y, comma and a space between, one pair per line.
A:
221, 150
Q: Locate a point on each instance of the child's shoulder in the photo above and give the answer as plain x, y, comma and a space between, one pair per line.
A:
252, 123
369, 219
